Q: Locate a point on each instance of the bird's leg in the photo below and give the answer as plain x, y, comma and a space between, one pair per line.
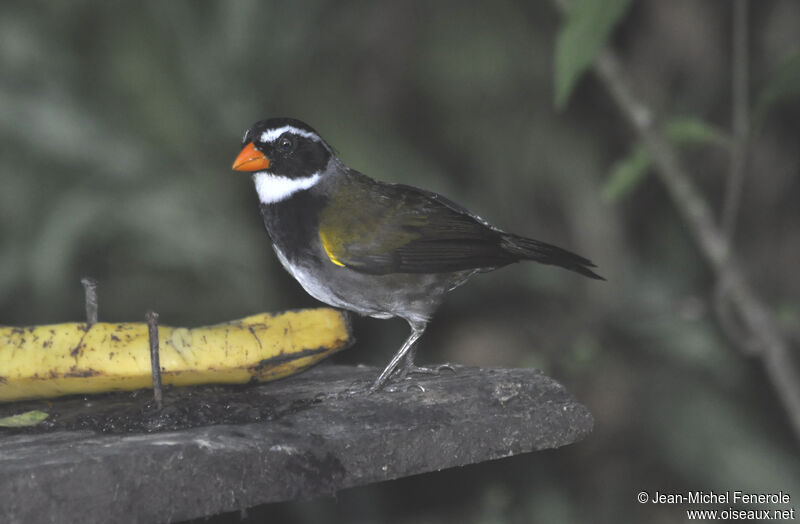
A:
417, 329
409, 367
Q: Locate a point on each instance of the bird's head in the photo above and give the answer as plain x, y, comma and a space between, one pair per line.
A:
285, 156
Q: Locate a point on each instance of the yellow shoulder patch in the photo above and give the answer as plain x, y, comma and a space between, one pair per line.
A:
327, 244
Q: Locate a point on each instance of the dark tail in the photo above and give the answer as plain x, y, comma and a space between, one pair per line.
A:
530, 249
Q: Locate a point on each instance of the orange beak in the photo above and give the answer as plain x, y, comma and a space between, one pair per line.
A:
251, 159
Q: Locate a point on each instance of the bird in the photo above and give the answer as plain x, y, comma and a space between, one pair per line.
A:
378, 249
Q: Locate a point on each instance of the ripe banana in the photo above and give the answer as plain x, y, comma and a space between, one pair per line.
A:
64, 359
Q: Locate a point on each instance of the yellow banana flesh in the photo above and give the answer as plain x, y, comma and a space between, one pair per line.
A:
64, 359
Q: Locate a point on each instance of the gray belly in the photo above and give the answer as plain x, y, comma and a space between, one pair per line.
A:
409, 296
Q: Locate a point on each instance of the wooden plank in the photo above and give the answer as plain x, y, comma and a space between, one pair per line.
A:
298, 438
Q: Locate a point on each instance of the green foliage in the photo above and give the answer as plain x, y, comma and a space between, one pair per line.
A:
692, 131
782, 87
587, 26
626, 174
29, 418
684, 131
788, 316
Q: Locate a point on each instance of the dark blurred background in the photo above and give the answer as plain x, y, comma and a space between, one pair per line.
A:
119, 123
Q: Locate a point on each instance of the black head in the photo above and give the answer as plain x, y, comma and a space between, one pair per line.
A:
284, 147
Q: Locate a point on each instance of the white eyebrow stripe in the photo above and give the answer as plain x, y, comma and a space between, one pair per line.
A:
272, 134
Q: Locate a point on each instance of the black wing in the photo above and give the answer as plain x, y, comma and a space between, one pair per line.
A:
390, 228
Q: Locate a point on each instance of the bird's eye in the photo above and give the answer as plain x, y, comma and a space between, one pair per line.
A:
285, 144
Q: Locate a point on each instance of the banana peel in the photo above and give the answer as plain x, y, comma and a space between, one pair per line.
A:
74, 358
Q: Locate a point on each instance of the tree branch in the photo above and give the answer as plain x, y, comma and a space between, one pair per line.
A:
740, 124
696, 213
740, 121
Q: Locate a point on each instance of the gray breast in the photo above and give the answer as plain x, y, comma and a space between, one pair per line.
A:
410, 296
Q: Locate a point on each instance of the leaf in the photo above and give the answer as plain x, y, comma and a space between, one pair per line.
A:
29, 418
588, 23
627, 174
689, 131
783, 86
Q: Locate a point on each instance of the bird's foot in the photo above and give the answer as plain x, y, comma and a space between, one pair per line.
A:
398, 380
404, 387
361, 389
413, 369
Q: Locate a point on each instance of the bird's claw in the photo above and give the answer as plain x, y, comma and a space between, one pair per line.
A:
413, 369
406, 387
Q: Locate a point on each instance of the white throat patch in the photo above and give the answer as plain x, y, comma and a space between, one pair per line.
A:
274, 188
